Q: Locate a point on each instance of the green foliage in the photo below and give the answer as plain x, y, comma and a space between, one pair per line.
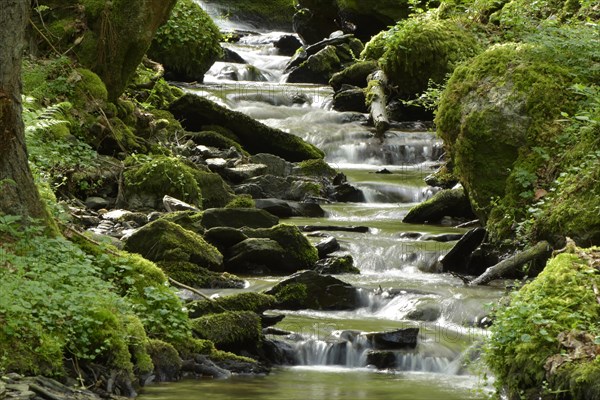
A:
69, 309
188, 44
48, 80
524, 333
160, 175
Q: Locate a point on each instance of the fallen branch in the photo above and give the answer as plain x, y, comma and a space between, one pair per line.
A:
193, 290
376, 100
512, 263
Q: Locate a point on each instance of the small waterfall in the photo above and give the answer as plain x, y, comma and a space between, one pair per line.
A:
420, 363
345, 349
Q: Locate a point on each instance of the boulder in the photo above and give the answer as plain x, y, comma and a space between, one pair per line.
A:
287, 208
458, 259
248, 301
318, 68
194, 112
255, 256
309, 289
381, 359
215, 192
336, 265
165, 241
350, 99
171, 204
348, 193
275, 165
453, 203
189, 220
391, 340
230, 331
96, 203
223, 237
238, 218
287, 45
354, 75
427, 310
327, 246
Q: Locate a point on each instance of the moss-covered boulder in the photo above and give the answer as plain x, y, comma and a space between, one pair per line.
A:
188, 43
148, 179
318, 68
354, 75
166, 360
332, 265
309, 289
108, 37
420, 50
230, 331
215, 191
267, 14
502, 118
198, 277
194, 112
299, 252
450, 202
248, 301
162, 240
238, 218
255, 256
223, 237
189, 220
544, 338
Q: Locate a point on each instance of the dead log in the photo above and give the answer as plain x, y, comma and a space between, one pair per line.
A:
376, 100
539, 250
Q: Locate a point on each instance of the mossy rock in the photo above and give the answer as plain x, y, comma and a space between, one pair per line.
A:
166, 360
309, 289
248, 301
299, 252
223, 237
241, 201
449, 202
198, 277
189, 220
238, 218
267, 14
316, 168
421, 50
499, 118
147, 182
375, 47
215, 139
215, 191
336, 265
534, 327
188, 44
355, 75
195, 112
165, 241
230, 331
318, 68
255, 256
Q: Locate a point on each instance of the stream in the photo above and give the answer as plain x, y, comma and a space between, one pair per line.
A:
389, 260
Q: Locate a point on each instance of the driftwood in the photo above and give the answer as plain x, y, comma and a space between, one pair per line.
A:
511, 263
377, 103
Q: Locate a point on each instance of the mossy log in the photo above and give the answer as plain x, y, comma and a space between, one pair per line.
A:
539, 250
376, 100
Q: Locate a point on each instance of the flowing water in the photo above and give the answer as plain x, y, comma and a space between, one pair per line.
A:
397, 270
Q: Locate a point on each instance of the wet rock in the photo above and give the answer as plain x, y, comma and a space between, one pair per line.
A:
194, 112
350, 99
309, 289
275, 165
270, 320
347, 193
255, 255
238, 217
203, 366
383, 171
458, 259
287, 45
223, 237
287, 209
171, 204
426, 310
336, 265
243, 172
231, 56
381, 359
278, 352
453, 203
410, 235
444, 237
96, 203
327, 246
165, 241
391, 340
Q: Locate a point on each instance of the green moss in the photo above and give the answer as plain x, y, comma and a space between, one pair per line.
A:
289, 296
219, 355
192, 275
241, 201
215, 139
189, 220
216, 193
165, 357
524, 334
375, 48
161, 175
165, 241
191, 346
299, 251
355, 75
247, 301
188, 44
424, 49
317, 168
48, 79
31, 352
138, 342
230, 331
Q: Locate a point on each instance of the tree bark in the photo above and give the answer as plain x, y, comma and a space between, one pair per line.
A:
18, 193
511, 263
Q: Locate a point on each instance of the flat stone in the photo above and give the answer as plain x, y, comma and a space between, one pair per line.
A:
244, 172
216, 164
390, 340
172, 204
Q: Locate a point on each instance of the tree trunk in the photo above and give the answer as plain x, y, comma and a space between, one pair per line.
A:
18, 193
377, 106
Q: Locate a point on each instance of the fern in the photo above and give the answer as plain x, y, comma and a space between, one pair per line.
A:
41, 120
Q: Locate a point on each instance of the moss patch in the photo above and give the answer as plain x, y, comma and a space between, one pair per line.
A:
195, 276
248, 301
230, 331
